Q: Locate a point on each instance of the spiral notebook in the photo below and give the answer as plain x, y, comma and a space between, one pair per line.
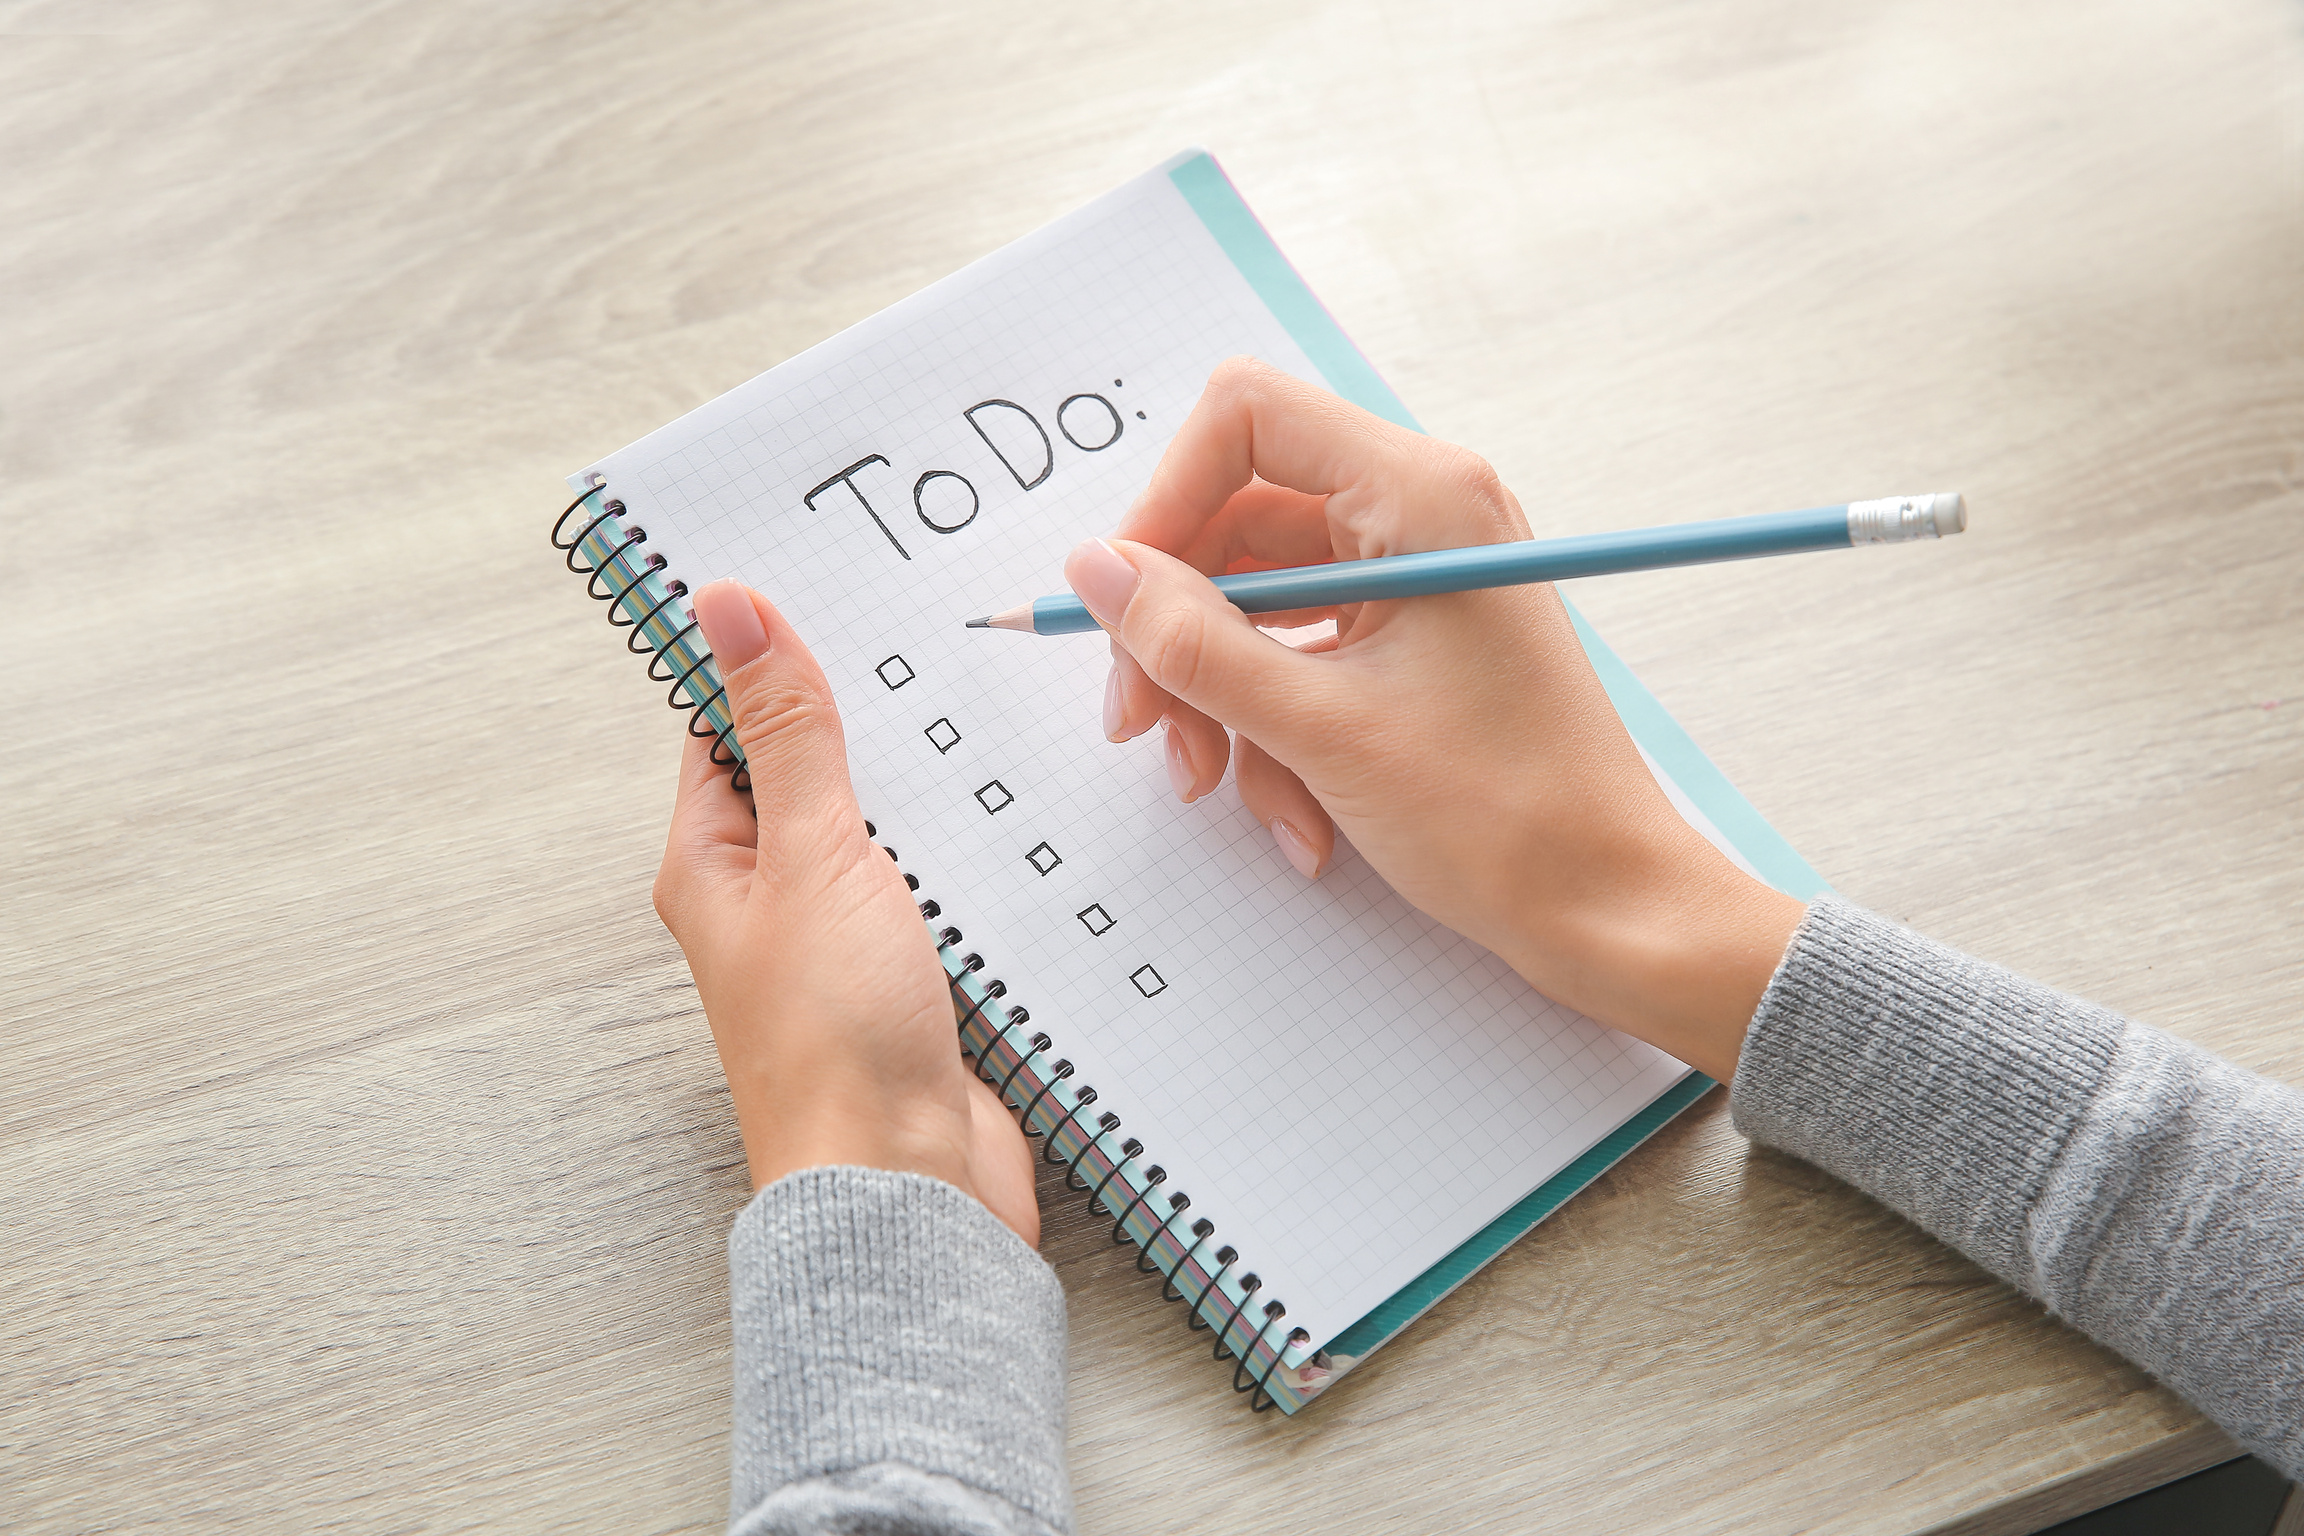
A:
1310, 1110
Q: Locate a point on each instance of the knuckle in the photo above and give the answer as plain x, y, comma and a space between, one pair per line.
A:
1474, 475
1236, 374
773, 712
1173, 648
666, 896
1479, 488
1243, 385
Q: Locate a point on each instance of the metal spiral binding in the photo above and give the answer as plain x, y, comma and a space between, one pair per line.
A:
605, 551
609, 544
1244, 1336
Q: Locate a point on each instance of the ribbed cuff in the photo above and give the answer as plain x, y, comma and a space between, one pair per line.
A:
889, 1318
1941, 1086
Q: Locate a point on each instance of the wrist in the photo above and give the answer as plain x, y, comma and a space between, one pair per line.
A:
1677, 951
837, 1115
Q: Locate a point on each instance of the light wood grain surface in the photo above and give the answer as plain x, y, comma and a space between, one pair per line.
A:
365, 1158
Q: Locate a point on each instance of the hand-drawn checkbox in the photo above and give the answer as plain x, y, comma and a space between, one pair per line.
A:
1148, 981
1098, 920
1043, 858
944, 735
994, 797
895, 671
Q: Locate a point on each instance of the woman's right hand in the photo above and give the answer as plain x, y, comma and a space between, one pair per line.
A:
1462, 742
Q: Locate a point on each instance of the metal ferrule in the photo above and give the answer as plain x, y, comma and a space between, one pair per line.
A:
1896, 519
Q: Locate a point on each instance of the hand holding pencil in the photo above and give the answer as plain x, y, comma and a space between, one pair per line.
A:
1521, 562
1462, 742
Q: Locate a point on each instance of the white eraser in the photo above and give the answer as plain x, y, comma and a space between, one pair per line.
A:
1950, 514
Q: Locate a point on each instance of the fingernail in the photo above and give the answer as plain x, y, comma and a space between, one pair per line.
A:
1112, 706
1299, 851
731, 624
1103, 578
1180, 770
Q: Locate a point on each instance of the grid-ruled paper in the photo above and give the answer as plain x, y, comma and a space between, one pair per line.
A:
1345, 1088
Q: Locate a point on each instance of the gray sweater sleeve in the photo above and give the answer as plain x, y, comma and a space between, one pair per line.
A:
899, 1363
2146, 1191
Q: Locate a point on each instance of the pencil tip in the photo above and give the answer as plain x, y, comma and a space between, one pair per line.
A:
1017, 618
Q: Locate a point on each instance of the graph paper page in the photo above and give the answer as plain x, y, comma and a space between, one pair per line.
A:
1346, 1089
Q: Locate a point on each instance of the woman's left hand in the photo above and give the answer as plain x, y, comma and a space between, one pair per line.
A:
825, 996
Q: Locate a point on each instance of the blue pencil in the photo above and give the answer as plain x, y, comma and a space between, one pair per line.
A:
1887, 520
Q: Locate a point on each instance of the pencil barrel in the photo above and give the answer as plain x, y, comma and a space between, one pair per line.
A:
1534, 560
1886, 520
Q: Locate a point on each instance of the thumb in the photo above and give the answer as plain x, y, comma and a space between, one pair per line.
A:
785, 721
1199, 648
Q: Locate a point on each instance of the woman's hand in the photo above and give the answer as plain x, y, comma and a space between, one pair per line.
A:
1462, 742
826, 999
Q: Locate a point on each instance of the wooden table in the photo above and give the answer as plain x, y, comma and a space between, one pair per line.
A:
366, 1157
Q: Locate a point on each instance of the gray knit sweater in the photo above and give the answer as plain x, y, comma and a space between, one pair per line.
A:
900, 1353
